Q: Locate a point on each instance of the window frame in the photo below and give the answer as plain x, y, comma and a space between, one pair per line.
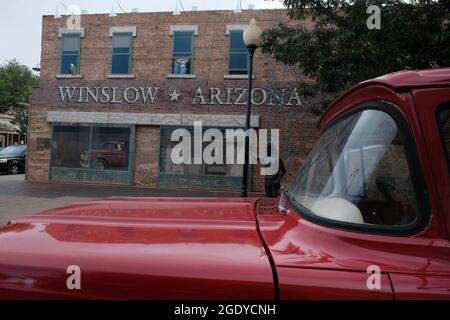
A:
61, 54
230, 53
192, 34
130, 58
417, 179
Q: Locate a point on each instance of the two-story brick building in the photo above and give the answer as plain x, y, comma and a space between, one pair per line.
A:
113, 90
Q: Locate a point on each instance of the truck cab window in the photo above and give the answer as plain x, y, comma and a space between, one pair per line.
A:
358, 173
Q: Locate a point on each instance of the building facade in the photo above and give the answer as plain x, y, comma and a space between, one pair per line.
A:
113, 90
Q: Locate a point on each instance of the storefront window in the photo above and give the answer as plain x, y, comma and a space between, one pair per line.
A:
85, 152
219, 176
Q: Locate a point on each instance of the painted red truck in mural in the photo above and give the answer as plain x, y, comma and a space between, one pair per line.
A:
367, 217
112, 154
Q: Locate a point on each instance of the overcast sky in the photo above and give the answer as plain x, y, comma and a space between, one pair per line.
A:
20, 20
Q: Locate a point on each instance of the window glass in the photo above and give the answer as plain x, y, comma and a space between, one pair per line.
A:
444, 125
68, 145
238, 54
13, 151
182, 52
167, 166
358, 173
94, 148
70, 52
121, 58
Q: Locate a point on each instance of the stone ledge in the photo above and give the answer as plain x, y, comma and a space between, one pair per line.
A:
62, 31
69, 76
181, 76
185, 27
150, 119
237, 76
235, 27
121, 76
132, 30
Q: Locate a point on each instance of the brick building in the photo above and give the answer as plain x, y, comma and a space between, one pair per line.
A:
112, 91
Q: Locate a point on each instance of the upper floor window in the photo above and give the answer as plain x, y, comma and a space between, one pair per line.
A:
183, 47
121, 53
70, 53
238, 59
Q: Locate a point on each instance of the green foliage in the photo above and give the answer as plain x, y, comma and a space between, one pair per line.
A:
15, 81
339, 50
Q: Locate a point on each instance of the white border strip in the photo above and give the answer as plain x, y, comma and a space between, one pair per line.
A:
234, 27
177, 27
62, 31
150, 119
132, 30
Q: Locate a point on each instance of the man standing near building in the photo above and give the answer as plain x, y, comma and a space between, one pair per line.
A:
272, 183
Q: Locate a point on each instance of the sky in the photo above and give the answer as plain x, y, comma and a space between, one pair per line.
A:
20, 20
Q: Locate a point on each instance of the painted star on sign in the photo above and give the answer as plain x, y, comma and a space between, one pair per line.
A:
174, 96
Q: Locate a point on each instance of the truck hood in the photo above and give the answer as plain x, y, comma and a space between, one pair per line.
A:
144, 248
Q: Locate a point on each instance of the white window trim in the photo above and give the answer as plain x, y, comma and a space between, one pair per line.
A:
121, 76
63, 31
69, 76
234, 27
182, 76
178, 27
132, 30
237, 76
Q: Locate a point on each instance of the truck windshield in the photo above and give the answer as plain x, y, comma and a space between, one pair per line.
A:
358, 173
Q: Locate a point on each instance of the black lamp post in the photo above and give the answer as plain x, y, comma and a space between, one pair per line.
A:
252, 40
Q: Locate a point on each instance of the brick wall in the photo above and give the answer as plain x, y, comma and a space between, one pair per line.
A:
151, 63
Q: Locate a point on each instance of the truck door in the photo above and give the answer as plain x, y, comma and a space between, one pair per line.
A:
433, 113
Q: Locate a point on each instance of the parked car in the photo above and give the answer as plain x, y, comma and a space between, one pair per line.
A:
12, 159
113, 154
368, 217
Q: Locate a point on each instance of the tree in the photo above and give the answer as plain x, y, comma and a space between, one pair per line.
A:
339, 50
15, 81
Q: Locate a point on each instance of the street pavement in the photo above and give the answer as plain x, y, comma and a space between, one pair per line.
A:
20, 198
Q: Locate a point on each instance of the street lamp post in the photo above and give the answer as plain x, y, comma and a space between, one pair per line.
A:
252, 40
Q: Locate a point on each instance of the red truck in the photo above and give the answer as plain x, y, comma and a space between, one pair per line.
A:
368, 217
113, 154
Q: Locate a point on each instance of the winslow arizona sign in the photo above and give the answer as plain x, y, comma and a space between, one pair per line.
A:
198, 96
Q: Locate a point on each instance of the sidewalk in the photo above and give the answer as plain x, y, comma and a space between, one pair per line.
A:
19, 197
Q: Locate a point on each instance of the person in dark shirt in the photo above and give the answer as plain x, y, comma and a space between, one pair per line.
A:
272, 183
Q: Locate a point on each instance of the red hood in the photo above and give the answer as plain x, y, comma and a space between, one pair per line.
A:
124, 247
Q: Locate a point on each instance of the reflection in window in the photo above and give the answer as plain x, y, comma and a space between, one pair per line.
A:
91, 147
70, 53
359, 173
121, 58
238, 61
167, 166
183, 47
